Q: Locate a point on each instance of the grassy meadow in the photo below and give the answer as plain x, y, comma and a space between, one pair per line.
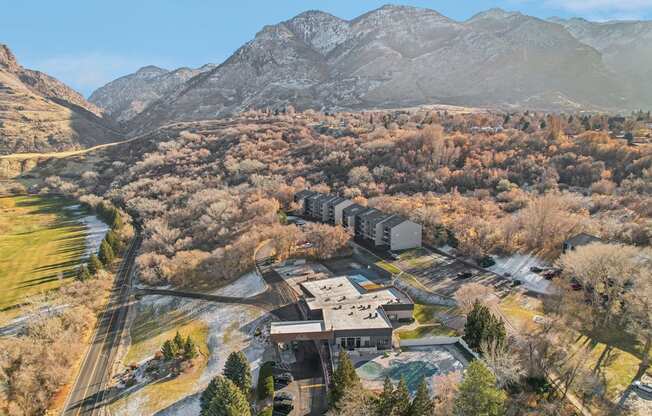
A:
41, 244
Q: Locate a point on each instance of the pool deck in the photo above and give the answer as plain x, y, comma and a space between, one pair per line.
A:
413, 363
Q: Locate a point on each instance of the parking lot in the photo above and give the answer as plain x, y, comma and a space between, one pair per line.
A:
436, 272
307, 390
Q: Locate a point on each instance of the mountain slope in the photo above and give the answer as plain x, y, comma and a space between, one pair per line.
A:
40, 114
402, 56
626, 48
127, 96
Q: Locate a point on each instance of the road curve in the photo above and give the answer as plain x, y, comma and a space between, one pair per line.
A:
87, 395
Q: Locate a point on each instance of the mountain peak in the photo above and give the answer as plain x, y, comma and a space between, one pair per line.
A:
321, 30
495, 13
151, 70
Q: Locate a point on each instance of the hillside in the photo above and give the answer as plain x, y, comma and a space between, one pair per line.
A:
38, 113
395, 56
626, 48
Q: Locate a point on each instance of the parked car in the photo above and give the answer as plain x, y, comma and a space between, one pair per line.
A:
283, 407
551, 273
283, 379
647, 388
283, 396
536, 269
464, 275
516, 283
394, 255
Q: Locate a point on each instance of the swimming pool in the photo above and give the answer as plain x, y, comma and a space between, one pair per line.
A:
413, 365
363, 282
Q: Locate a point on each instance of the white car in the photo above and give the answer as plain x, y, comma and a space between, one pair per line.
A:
647, 388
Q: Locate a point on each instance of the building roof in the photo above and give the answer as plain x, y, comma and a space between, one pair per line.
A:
346, 305
377, 218
582, 239
297, 327
369, 212
304, 193
394, 221
353, 209
336, 200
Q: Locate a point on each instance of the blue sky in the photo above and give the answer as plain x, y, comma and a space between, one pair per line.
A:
86, 43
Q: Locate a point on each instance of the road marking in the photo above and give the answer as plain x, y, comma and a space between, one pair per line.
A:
313, 386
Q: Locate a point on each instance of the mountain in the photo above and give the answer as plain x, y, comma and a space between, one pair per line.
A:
40, 114
626, 48
127, 96
399, 56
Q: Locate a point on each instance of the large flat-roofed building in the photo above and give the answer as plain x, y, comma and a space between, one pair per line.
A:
345, 314
370, 225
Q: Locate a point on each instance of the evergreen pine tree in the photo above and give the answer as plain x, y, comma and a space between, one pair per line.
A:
385, 402
178, 341
189, 349
114, 241
106, 253
478, 394
344, 378
402, 399
228, 400
238, 371
168, 350
481, 326
208, 394
82, 273
116, 220
421, 404
94, 264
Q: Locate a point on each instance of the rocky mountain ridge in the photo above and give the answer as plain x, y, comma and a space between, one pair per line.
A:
403, 56
126, 97
38, 113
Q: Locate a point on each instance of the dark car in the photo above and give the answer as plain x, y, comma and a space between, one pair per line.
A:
536, 269
283, 407
282, 396
464, 275
516, 283
283, 379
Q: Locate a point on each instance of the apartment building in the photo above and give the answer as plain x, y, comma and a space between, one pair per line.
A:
368, 225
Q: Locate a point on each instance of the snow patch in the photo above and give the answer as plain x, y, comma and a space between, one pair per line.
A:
250, 284
518, 266
96, 230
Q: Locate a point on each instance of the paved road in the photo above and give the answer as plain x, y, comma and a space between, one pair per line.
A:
87, 395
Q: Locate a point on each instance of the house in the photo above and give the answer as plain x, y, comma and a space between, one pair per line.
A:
345, 314
579, 240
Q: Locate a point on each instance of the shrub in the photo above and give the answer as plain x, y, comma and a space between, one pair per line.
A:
486, 261
265, 388
268, 411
